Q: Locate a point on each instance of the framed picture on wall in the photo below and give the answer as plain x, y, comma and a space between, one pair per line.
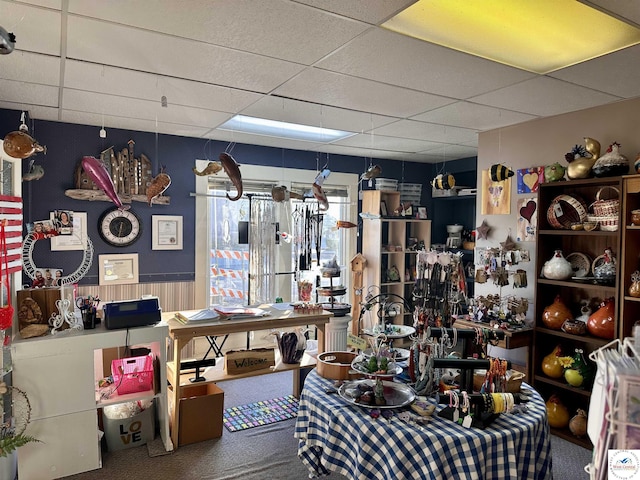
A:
422, 212
120, 269
166, 232
74, 240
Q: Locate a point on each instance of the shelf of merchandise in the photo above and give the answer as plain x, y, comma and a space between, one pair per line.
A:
571, 292
381, 233
630, 255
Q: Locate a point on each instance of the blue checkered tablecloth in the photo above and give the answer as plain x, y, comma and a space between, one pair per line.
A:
335, 435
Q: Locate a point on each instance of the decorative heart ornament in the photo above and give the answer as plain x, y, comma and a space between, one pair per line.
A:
528, 210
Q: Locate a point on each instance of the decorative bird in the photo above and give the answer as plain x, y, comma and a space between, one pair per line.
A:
158, 185
581, 165
499, 172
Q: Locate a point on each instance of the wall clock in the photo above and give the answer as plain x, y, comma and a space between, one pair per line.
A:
119, 228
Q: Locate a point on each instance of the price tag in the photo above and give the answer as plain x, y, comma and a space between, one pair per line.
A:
466, 421
557, 210
356, 342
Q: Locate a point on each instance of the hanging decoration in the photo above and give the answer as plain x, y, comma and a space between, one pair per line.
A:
443, 181
19, 144
318, 191
7, 42
211, 169
372, 172
527, 219
499, 172
280, 193
158, 185
483, 230
529, 179
35, 172
496, 196
232, 169
96, 170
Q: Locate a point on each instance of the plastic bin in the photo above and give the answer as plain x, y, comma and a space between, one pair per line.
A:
132, 375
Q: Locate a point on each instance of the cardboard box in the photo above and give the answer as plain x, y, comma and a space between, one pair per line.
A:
201, 409
135, 431
242, 361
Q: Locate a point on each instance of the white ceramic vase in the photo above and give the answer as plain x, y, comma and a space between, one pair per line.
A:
557, 268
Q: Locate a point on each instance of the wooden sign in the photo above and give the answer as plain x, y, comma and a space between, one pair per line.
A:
242, 361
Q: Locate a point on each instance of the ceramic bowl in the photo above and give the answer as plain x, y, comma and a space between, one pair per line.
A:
590, 226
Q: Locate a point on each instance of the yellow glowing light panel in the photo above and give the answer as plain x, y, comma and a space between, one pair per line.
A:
535, 35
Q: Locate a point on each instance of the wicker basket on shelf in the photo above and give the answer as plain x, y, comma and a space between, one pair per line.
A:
606, 211
606, 224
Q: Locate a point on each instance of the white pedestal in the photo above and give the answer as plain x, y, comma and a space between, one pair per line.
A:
335, 336
9, 466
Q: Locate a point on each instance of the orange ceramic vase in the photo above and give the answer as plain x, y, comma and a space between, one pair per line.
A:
555, 314
601, 323
557, 413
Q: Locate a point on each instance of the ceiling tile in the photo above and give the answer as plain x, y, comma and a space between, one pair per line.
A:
129, 107
427, 131
295, 32
445, 153
36, 112
28, 93
28, 24
370, 11
129, 83
617, 73
313, 114
31, 67
240, 137
472, 115
126, 47
55, 4
365, 153
544, 96
396, 59
329, 88
379, 142
626, 10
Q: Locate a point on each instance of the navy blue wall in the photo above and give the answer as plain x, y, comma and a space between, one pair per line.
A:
67, 143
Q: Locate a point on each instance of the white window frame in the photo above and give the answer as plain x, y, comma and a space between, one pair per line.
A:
279, 176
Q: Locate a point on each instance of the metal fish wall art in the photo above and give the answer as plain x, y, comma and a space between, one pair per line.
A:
211, 169
100, 176
158, 185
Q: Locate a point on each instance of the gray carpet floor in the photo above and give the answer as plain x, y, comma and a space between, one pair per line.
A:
267, 452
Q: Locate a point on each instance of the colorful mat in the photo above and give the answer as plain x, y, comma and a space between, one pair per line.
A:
260, 413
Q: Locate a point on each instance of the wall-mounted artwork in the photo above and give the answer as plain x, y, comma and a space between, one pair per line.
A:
496, 196
529, 179
527, 219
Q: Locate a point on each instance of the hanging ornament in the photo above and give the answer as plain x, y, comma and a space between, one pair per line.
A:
7, 42
499, 172
444, 181
483, 230
19, 144
158, 185
232, 169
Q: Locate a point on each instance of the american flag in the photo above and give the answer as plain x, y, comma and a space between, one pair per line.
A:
11, 211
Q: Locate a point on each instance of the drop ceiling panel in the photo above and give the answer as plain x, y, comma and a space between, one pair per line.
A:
365, 153
128, 107
427, 131
28, 93
544, 96
626, 10
472, 115
129, 83
239, 137
36, 29
55, 4
449, 152
380, 142
295, 32
35, 111
313, 114
31, 67
126, 47
399, 60
370, 11
617, 73
329, 88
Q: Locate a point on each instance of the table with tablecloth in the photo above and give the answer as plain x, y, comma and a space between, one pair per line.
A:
335, 435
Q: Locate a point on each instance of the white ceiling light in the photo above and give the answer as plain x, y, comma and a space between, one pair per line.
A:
273, 128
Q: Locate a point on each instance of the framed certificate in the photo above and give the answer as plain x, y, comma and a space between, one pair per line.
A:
166, 232
118, 269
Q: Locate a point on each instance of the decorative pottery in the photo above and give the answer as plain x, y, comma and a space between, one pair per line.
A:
554, 173
558, 267
554, 315
634, 288
635, 217
605, 272
19, 144
574, 327
601, 323
580, 166
580, 373
551, 365
557, 413
578, 423
612, 163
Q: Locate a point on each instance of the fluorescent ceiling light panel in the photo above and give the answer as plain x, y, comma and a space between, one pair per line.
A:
540, 36
273, 128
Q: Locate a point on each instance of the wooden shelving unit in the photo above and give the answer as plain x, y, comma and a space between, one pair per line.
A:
572, 293
386, 242
630, 255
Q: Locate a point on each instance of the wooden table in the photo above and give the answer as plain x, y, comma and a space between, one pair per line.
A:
522, 337
181, 334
